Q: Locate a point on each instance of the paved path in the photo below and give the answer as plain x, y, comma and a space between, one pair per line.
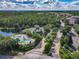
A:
4, 57
35, 54
56, 47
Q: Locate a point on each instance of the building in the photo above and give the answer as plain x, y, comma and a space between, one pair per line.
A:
37, 29
75, 40
73, 20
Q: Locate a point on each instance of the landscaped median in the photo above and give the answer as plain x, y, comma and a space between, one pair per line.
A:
49, 41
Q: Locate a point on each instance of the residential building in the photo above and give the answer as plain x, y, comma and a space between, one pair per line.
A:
73, 20
75, 40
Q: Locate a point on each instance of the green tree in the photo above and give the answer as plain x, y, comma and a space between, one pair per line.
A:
76, 26
37, 37
75, 55
47, 48
7, 45
64, 54
65, 40
28, 32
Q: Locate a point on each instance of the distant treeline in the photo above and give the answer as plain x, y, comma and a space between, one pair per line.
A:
28, 19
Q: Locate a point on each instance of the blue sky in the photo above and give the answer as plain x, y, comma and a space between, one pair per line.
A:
67, 0
59, 0
23, 6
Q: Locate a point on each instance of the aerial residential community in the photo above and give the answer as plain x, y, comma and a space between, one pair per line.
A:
39, 35
39, 29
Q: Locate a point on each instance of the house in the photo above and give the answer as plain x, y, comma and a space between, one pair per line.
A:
65, 14
73, 20
74, 37
37, 29
75, 40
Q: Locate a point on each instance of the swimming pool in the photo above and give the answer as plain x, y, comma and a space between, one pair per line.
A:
26, 40
23, 39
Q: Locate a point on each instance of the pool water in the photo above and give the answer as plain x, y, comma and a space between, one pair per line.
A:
23, 38
27, 40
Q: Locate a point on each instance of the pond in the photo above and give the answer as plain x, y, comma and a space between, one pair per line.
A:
9, 31
6, 33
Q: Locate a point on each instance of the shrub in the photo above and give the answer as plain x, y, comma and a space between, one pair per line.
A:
37, 37
47, 48
76, 26
64, 54
28, 32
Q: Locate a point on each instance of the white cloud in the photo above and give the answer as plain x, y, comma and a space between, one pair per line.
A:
36, 6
